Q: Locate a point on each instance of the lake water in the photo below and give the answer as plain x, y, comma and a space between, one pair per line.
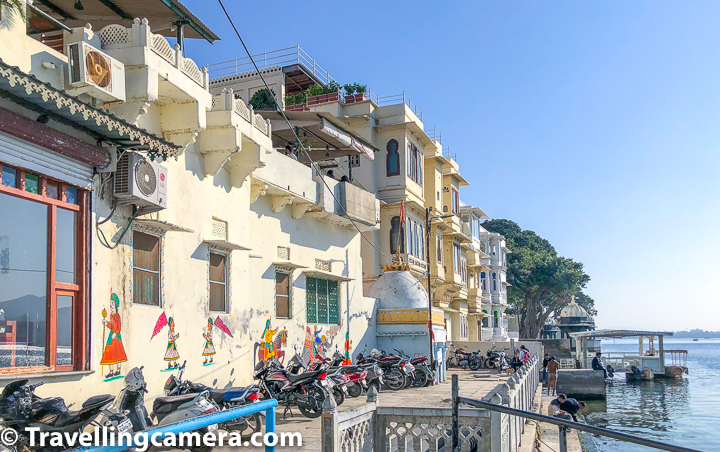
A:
684, 412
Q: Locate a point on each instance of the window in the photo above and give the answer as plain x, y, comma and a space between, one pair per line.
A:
455, 201
494, 280
416, 240
322, 301
482, 279
218, 283
439, 249
397, 235
414, 163
464, 327
354, 161
42, 285
457, 258
392, 164
282, 295
463, 269
146, 269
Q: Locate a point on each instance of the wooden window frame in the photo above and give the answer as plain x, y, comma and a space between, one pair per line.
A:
396, 157
457, 262
338, 294
159, 236
455, 201
79, 290
226, 256
289, 295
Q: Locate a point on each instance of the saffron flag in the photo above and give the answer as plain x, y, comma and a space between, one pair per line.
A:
219, 323
160, 324
402, 211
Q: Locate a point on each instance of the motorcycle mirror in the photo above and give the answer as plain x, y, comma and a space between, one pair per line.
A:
295, 347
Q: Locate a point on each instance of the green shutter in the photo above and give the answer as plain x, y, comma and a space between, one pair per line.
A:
322, 300
311, 300
333, 305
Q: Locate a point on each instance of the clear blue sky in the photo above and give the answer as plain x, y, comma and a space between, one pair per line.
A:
595, 124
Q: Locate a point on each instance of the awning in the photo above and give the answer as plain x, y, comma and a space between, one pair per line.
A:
324, 138
160, 13
225, 244
29, 92
288, 264
162, 225
325, 275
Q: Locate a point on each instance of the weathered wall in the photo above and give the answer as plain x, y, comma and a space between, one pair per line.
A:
581, 383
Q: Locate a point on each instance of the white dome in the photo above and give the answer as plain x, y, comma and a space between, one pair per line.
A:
398, 289
573, 310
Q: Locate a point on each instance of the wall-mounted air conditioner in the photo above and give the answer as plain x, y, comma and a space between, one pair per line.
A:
93, 72
141, 182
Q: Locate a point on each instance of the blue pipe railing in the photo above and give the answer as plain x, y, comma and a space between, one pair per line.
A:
199, 422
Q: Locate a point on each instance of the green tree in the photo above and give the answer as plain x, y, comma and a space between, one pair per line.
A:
541, 281
263, 100
10, 10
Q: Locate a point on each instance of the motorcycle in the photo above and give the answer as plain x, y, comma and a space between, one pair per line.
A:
20, 408
463, 359
424, 374
297, 365
394, 375
167, 410
305, 390
226, 399
497, 360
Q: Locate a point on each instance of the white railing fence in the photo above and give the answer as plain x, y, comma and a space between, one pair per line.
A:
226, 101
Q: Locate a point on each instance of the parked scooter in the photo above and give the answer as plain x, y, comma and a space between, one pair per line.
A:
167, 410
20, 408
306, 390
423, 375
226, 399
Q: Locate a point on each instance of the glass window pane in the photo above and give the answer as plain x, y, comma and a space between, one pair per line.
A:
64, 330
9, 176
217, 267
217, 297
146, 288
282, 295
71, 194
146, 251
66, 246
52, 189
23, 282
32, 183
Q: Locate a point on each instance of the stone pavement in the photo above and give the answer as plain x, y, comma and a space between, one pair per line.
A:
550, 434
472, 384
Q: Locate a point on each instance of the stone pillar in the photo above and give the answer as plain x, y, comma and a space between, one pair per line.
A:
330, 431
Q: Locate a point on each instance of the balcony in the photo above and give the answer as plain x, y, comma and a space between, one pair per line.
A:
287, 181
343, 203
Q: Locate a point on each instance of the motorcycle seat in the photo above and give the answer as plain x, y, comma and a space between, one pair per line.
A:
226, 395
168, 404
98, 400
417, 360
293, 377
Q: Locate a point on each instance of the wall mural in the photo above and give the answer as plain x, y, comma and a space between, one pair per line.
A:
113, 352
347, 361
209, 348
171, 352
315, 344
272, 344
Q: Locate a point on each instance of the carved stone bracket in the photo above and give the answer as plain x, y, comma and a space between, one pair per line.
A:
280, 201
298, 210
257, 190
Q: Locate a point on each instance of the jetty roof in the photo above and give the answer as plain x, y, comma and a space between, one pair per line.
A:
620, 333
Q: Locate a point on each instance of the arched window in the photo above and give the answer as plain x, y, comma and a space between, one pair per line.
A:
392, 163
482, 280
494, 279
397, 236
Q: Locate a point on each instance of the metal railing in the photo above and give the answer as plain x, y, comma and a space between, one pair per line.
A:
274, 58
563, 425
199, 422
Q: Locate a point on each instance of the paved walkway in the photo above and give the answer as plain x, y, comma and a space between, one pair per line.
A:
472, 384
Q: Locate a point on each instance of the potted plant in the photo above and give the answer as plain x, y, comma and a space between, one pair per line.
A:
355, 93
295, 102
318, 94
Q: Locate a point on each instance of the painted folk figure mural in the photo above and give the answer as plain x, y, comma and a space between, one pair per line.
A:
113, 351
209, 347
171, 352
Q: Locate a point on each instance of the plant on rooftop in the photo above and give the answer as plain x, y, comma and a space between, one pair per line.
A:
315, 90
295, 99
10, 10
332, 87
360, 89
349, 89
263, 100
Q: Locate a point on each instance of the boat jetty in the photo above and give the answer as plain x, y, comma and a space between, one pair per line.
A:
650, 361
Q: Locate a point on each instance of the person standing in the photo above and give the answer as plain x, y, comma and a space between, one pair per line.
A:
546, 359
552, 368
524, 354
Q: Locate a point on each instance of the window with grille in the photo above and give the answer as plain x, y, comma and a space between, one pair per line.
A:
322, 301
414, 163
146, 269
218, 282
354, 161
282, 295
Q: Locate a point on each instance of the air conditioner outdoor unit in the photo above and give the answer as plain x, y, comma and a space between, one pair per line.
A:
142, 182
94, 72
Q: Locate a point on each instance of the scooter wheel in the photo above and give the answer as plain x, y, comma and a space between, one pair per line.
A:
354, 390
339, 396
246, 426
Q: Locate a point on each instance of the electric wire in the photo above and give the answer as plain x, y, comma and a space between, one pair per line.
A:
302, 146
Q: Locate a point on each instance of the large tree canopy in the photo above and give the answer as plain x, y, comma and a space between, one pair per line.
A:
541, 282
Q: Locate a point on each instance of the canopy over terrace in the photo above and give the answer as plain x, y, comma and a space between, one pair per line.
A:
320, 133
163, 15
651, 358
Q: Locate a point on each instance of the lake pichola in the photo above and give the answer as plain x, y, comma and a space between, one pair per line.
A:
683, 412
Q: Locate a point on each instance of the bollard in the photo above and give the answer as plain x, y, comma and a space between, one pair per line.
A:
270, 420
372, 394
563, 439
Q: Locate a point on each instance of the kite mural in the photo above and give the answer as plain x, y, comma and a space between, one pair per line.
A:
209, 348
171, 352
113, 352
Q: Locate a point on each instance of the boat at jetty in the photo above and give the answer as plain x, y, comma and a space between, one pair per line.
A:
648, 363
